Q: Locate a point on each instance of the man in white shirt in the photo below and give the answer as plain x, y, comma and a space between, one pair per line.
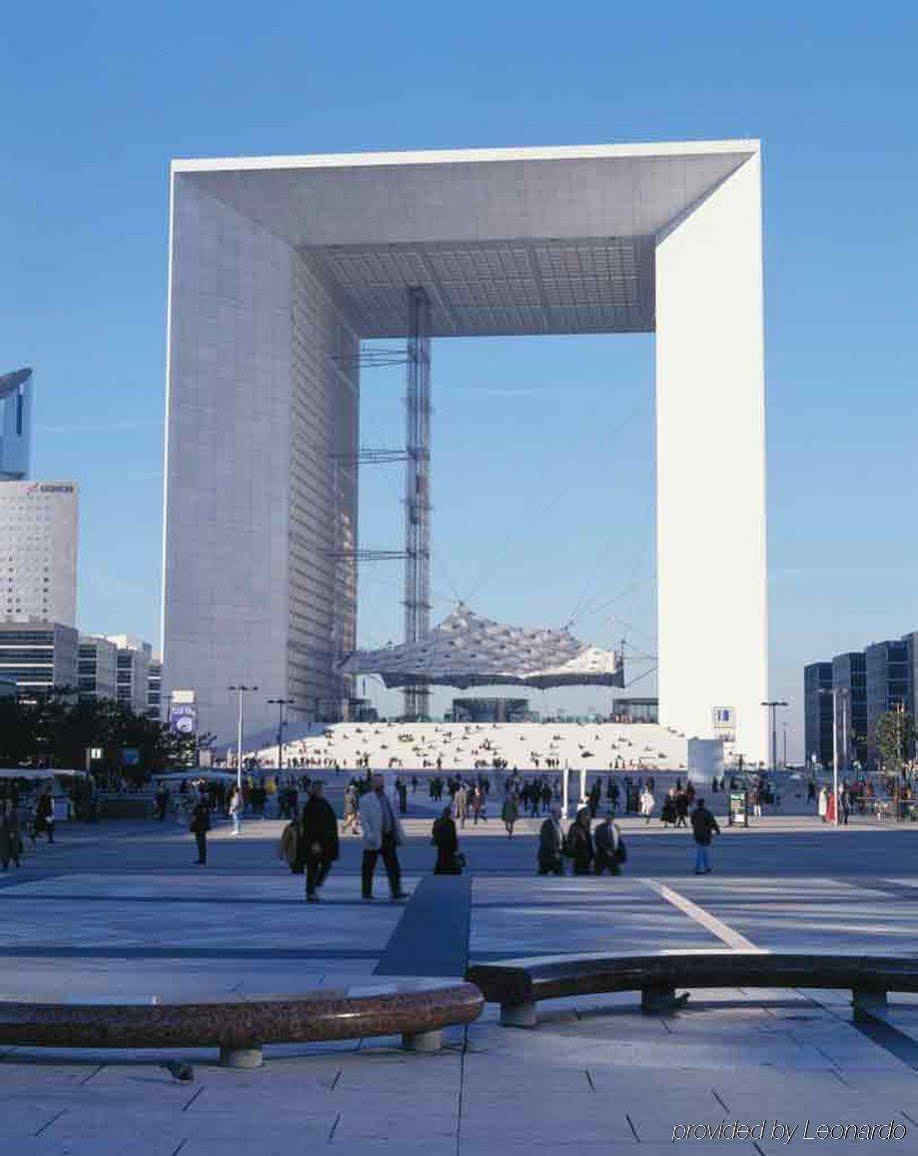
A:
382, 833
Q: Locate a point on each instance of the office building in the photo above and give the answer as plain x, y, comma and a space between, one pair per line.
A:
887, 684
97, 668
38, 552
817, 713
155, 690
132, 664
279, 267
849, 677
39, 656
15, 424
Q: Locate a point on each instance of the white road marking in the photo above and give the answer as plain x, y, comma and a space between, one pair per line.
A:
725, 934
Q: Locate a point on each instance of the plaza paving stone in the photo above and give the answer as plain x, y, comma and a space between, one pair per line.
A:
118, 911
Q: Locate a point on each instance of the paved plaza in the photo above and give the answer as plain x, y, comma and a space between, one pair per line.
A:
118, 911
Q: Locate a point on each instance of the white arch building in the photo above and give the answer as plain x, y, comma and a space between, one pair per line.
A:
278, 266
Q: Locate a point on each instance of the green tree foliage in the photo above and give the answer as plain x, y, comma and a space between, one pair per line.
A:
55, 731
895, 738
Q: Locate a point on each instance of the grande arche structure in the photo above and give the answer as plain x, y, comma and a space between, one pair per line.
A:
280, 266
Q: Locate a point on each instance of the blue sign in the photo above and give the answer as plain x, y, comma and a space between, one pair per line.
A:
130, 756
183, 718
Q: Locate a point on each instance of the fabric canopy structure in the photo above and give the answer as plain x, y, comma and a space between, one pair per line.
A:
468, 650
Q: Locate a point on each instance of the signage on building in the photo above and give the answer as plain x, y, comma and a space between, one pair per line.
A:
724, 718
724, 721
130, 756
183, 718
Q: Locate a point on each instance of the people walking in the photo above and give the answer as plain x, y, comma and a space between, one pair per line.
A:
609, 847
446, 841
647, 803
200, 825
510, 812
351, 824
319, 835
10, 835
45, 814
382, 834
681, 804
579, 845
461, 803
291, 846
704, 827
551, 844
235, 808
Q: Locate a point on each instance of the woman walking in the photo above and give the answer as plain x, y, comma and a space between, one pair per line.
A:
235, 809
647, 804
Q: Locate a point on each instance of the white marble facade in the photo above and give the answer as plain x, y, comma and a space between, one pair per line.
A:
280, 265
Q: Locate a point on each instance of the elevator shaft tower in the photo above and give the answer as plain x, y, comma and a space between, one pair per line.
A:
417, 490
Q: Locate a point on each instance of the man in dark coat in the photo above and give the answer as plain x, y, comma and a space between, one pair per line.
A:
320, 839
200, 825
704, 826
609, 847
446, 841
551, 844
580, 842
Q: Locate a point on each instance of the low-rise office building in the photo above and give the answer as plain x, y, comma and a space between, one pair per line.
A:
97, 671
39, 656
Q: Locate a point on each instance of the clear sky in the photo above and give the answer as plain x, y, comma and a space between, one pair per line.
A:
543, 447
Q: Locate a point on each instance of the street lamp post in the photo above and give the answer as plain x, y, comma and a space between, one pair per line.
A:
835, 691
280, 703
773, 707
241, 690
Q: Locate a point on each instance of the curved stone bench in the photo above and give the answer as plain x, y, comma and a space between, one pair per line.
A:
518, 984
240, 1026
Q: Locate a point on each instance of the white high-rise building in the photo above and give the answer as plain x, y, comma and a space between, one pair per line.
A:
38, 551
132, 671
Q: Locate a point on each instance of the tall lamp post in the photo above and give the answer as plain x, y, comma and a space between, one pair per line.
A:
280, 703
773, 707
836, 692
242, 691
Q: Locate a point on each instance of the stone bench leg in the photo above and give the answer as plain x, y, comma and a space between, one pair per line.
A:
241, 1057
657, 999
518, 1015
869, 1000
423, 1041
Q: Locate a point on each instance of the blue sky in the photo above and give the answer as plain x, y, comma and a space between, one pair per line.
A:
96, 97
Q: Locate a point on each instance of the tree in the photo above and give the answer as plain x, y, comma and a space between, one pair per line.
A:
895, 737
55, 731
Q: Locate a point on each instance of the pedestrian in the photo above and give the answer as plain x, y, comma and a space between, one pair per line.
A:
10, 835
200, 825
291, 847
319, 838
822, 805
382, 834
551, 843
704, 827
579, 845
510, 812
647, 804
461, 803
668, 811
757, 801
609, 847
446, 841
45, 814
350, 823
681, 804
236, 806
